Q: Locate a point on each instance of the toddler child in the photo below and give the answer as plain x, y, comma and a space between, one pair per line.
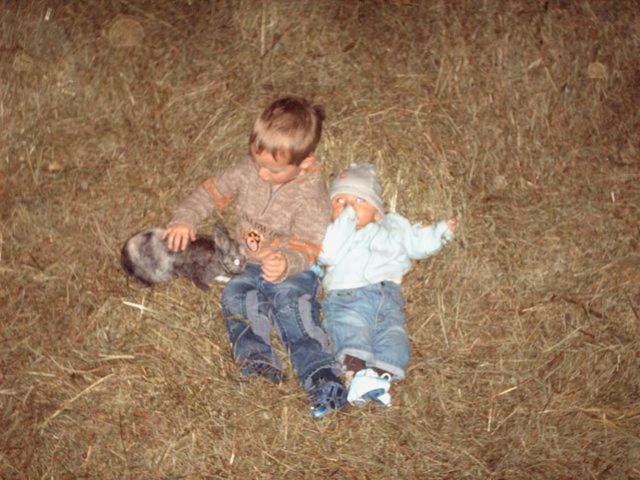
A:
366, 253
282, 211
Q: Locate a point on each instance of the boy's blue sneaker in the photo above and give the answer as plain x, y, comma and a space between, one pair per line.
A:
327, 394
327, 397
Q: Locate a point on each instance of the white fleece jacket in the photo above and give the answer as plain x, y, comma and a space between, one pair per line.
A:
380, 251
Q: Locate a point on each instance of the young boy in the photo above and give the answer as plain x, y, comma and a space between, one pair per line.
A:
282, 211
366, 253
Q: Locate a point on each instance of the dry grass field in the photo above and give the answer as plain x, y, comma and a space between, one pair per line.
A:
522, 118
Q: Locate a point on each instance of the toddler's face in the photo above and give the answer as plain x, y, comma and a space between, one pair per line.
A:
366, 212
274, 171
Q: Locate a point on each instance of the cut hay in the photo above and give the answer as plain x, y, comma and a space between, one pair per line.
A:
519, 117
125, 32
596, 71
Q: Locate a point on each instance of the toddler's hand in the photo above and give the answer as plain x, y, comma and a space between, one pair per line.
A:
273, 266
177, 237
452, 224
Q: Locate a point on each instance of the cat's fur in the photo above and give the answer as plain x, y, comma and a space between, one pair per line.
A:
146, 257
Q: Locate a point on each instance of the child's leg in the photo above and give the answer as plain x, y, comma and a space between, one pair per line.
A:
246, 314
390, 342
353, 319
348, 317
296, 315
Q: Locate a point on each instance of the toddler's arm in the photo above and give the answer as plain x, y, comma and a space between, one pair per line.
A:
421, 242
338, 237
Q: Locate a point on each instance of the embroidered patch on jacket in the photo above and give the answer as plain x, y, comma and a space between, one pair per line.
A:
252, 239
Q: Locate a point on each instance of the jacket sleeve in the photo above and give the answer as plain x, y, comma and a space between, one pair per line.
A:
309, 225
214, 193
422, 242
194, 209
338, 238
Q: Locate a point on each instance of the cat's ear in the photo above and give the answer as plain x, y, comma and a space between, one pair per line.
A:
221, 236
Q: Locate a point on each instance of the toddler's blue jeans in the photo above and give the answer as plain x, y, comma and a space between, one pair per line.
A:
251, 305
368, 323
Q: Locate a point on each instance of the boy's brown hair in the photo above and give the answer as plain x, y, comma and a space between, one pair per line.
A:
290, 126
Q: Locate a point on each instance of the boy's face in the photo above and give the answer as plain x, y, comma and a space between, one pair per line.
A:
366, 212
276, 170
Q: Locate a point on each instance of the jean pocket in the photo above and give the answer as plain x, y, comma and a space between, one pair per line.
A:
395, 295
342, 294
338, 297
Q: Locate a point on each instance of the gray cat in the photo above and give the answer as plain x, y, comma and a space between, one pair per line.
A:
147, 258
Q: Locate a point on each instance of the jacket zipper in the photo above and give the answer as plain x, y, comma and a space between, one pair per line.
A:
271, 195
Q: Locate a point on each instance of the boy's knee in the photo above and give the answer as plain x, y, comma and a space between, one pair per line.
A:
291, 297
237, 286
228, 298
233, 299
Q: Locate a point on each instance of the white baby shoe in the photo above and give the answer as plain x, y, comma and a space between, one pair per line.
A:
368, 385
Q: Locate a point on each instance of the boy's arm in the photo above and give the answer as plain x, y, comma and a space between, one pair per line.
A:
421, 242
193, 209
307, 232
215, 192
337, 236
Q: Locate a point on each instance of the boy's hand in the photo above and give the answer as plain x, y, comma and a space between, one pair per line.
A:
178, 236
273, 266
452, 223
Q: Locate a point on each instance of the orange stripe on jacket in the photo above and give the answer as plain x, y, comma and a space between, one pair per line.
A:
312, 250
314, 169
221, 200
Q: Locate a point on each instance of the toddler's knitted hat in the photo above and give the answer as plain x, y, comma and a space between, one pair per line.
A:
360, 180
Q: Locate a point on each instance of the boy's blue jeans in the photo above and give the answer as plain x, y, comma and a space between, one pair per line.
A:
251, 305
368, 323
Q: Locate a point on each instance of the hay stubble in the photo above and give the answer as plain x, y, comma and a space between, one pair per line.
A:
520, 118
